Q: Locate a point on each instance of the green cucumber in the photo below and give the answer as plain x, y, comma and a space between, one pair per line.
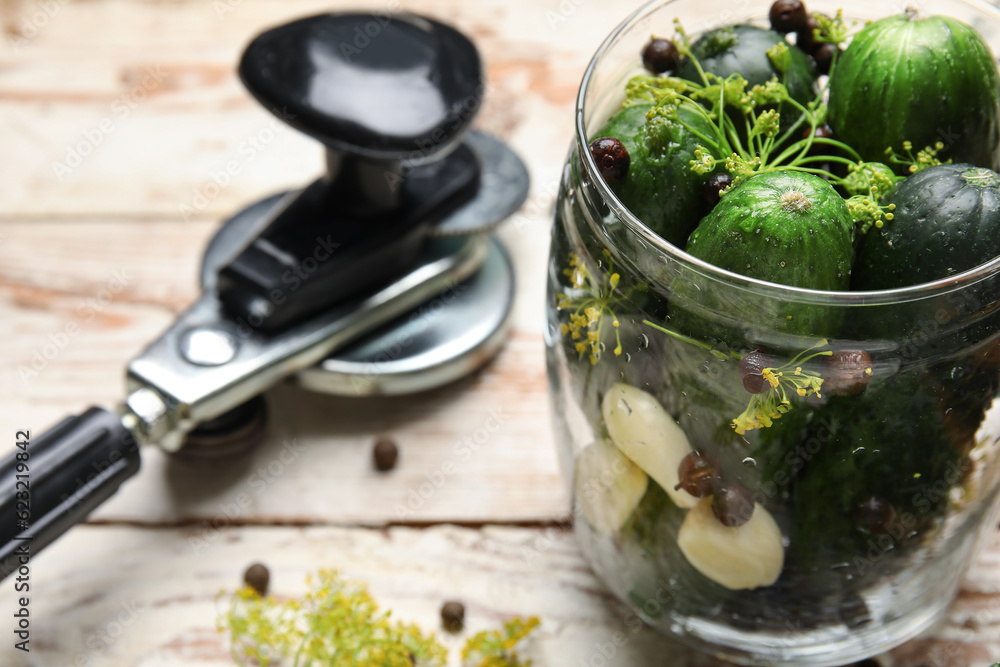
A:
742, 49
947, 220
923, 80
660, 188
785, 227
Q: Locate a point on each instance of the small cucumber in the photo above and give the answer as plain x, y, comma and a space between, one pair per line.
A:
742, 49
923, 80
947, 220
660, 188
785, 227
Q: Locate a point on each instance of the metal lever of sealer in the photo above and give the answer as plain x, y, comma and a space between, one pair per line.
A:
402, 182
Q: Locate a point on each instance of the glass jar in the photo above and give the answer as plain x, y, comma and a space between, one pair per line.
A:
855, 509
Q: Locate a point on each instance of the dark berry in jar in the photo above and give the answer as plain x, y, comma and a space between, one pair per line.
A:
660, 56
848, 372
698, 475
715, 186
732, 505
805, 38
788, 16
823, 55
611, 157
752, 367
876, 515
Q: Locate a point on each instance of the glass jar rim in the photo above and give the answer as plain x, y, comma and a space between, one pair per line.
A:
635, 226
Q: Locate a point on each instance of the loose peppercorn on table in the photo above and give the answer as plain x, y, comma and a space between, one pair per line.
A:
120, 119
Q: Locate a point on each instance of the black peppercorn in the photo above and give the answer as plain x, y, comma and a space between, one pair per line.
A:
385, 454
453, 616
823, 55
257, 577
876, 515
733, 505
698, 475
805, 38
714, 186
660, 56
847, 373
611, 157
788, 16
752, 366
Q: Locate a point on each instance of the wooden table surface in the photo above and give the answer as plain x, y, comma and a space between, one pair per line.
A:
114, 116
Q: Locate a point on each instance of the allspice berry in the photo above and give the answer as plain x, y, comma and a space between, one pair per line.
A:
847, 372
258, 578
453, 616
385, 454
660, 55
805, 38
733, 505
714, 187
823, 55
876, 515
752, 367
697, 475
788, 16
612, 158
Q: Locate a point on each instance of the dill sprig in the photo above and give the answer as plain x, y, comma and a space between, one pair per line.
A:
590, 301
338, 624
497, 648
747, 137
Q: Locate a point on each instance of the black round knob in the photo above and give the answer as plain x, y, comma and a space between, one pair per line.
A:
381, 87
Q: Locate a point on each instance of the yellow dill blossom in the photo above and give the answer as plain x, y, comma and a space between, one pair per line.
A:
922, 160
589, 301
338, 624
497, 648
771, 404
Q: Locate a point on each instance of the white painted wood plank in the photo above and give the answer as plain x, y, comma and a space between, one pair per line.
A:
87, 584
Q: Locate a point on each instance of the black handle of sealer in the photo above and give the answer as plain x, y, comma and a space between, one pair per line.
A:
58, 478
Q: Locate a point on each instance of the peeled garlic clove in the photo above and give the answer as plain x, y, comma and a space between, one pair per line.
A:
642, 429
748, 556
608, 486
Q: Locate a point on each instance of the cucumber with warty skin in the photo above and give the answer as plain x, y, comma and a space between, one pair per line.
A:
947, 220
782, 226
660, 188
742, 49
919, 79
785, 227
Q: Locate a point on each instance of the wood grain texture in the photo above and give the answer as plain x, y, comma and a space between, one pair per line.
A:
139, 597
146, 89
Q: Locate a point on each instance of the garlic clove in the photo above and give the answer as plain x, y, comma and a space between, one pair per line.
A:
608, 486
646, 434
749, 556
